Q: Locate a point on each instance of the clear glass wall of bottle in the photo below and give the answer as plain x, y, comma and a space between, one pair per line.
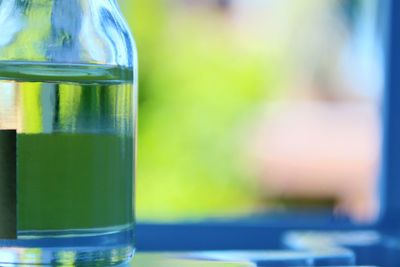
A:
68, 110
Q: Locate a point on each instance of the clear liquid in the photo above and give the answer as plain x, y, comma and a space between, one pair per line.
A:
74, 162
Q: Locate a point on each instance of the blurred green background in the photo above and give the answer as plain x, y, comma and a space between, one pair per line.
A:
196, 84
206, 69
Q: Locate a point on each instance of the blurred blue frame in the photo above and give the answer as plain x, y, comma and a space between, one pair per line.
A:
265, 232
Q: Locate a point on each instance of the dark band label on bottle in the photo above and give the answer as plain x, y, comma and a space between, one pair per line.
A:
8, 184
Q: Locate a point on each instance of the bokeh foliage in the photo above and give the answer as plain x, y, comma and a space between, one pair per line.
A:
199, 80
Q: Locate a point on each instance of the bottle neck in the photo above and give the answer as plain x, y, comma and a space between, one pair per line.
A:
63, 9
67, 31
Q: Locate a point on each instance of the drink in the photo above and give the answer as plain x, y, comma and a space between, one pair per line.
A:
74, 130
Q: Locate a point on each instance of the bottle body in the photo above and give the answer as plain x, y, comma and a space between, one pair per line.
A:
67, 137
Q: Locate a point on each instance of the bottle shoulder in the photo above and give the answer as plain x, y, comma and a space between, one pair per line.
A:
89, 32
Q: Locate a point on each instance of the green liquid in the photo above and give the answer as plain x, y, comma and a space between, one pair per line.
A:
73, 181
75, 144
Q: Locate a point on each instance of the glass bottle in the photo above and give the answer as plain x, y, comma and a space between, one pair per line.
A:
67, 133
